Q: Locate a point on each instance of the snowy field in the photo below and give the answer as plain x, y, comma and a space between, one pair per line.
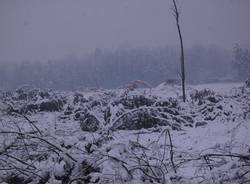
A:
126, 135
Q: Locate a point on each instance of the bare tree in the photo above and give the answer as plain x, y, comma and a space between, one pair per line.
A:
176, 13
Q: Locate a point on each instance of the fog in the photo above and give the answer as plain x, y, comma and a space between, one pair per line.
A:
130, 34
43, 30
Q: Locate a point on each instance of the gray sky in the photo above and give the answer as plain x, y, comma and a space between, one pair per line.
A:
43, 29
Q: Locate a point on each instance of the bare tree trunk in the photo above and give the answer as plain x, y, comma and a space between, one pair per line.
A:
176, 15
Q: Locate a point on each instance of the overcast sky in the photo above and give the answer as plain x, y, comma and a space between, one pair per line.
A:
48, 29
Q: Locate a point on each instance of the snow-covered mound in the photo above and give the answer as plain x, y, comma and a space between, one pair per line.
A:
121, 136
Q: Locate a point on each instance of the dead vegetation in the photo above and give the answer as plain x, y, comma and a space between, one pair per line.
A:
123, 140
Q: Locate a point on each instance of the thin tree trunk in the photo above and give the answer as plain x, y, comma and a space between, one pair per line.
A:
176, 14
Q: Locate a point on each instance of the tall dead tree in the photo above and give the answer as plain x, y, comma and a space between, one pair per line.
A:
176, 14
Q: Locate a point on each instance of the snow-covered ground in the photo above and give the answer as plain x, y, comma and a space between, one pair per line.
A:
126, 136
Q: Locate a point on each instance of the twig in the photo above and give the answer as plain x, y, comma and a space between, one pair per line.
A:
171, 151
207, 162
243, 157
164, 150
31, 122
25, 117
17, 159
43, 140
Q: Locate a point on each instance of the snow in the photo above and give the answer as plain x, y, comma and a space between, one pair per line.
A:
131, 156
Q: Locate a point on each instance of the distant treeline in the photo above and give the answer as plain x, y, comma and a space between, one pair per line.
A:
111, 69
